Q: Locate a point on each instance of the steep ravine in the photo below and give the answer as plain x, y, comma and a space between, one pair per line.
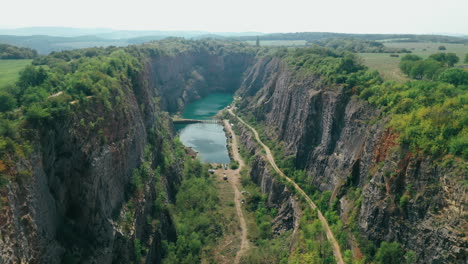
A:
341, 142
70, 209
77, 204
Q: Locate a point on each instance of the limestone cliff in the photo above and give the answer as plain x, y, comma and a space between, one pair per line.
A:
342, 142
78, 203
278, 195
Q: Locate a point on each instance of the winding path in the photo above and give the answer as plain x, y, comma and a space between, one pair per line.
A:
329, 233
234, 180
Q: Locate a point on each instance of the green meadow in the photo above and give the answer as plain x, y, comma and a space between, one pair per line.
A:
9, 70
388, 66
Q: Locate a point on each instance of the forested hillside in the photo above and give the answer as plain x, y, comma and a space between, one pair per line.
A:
12, 52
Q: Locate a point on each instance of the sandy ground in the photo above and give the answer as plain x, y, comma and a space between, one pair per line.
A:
234, 180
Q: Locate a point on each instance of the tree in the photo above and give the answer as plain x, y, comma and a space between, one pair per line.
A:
390, 253
441, 57
466, 58
7, 102
454, 76
36, 113
32, 76
442, 48
258, 42
451, 59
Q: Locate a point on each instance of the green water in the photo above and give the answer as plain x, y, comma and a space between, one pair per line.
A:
209, 140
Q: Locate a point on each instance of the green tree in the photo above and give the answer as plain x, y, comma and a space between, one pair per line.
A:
442, 48
32, 76
454, 76
36, 113
466, 58
441, 57
390, 253
451, 59
7, 102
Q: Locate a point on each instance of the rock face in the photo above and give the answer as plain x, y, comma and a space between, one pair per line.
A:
341, 143
80, 180
278, 195
68, 209
185, 77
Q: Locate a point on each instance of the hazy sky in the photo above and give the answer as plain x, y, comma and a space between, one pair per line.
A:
359, 16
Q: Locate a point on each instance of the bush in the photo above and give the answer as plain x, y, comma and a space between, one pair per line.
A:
234, 165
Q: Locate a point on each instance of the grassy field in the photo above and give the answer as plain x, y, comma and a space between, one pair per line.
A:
289, 43
424, 49
388, 66
9, 70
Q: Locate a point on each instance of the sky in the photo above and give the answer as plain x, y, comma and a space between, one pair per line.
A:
348, 16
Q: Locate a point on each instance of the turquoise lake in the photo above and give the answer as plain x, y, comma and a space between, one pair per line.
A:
209, 140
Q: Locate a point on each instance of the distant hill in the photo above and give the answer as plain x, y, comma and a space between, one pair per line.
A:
48, 39
47, 44
55, 31
317, 36
108, 33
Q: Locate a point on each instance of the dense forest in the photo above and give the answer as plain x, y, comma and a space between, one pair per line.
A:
12, 52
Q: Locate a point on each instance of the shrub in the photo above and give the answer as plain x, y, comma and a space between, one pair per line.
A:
234, 165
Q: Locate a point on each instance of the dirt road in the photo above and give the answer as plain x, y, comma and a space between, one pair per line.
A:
234, 179
269, 156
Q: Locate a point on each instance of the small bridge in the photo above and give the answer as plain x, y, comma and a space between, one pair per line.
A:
195, 121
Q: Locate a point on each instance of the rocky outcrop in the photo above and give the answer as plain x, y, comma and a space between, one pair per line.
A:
342, 142
278, 195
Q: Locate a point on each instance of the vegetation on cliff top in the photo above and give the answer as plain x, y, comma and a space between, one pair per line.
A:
52, 88
429, 115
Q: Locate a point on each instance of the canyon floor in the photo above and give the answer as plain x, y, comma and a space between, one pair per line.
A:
235, 244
